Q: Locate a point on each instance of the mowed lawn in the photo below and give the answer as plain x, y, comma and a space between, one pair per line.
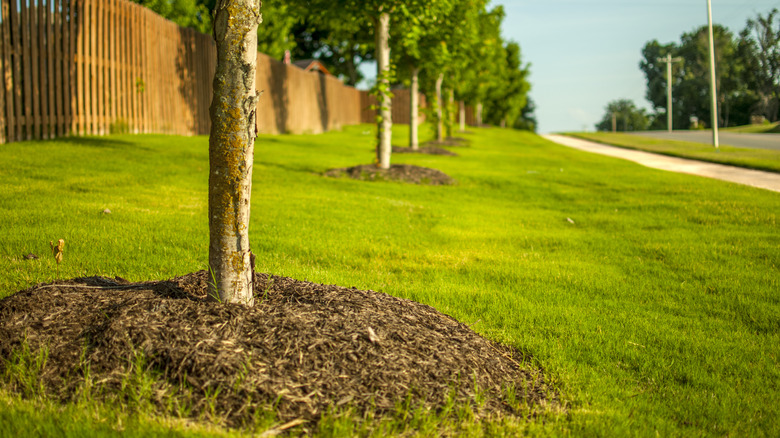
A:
759, 159
652, 299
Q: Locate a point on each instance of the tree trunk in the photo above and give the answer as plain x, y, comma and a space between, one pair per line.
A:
462, 115
385, 128
414, 110
439, 102
479, 114
450, 104
231, 150
349, 59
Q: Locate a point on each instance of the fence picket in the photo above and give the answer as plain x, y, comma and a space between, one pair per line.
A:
50, 60
27, 66
9, 120
113, 93
81, 90
99, 59
86, 66
57, 51
123, 78
93, 70
35, 53
3, 124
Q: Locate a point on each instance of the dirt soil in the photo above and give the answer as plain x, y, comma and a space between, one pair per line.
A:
303, 348
397, 172
428, 150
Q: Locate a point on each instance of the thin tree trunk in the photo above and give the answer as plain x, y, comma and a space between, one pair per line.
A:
231, 150
414, 110
385, 128
349, 59
462, 115
479, 114
450, 105
439, 102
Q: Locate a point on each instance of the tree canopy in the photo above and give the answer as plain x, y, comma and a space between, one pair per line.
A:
458, 39
625, 116
747, 74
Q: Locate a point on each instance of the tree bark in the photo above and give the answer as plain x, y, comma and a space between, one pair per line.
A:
479, 114
385, 128
349, 60
462, 115
439, 102
414, 110
231, 150
450, 112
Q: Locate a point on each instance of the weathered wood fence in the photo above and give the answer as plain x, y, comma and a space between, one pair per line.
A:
93, 67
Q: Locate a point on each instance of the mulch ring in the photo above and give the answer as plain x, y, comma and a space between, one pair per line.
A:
397, 172
450, 142
303, 349
428, 150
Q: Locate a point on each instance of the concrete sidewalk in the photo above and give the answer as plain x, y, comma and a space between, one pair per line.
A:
741, 140
755, 178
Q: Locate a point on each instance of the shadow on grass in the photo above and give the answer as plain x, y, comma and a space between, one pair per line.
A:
300, 168
102, 142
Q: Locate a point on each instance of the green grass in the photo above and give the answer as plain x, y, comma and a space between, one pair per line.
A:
763, 128
761, 159
656, 311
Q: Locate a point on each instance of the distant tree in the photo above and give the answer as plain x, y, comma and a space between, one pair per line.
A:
379, 13
275, 36
413, 40
655, 74
737, 71
464, 67
231, 150
626, 115
759, 46
489, 57
694, 49
341, 42
186, 13
509, 92
527, 119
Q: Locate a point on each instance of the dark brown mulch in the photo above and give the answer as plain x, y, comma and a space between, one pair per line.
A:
304, 347
397, 172
429, 150
449, 141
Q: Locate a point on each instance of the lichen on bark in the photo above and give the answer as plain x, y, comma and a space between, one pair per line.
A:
231, 149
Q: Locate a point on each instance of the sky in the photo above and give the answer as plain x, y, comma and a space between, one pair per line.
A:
586, 53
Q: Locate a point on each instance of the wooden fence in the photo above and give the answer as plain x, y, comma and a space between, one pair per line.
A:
93, 67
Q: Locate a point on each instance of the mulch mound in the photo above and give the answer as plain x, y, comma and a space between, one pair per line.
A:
303, 348
450, 141
397, 172
428, 150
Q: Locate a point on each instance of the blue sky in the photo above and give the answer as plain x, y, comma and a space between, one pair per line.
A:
585, 53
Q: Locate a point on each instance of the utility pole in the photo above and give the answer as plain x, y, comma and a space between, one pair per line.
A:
713, 88
614, 121
669, 60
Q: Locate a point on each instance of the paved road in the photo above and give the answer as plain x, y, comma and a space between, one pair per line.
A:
755, 141
755, 178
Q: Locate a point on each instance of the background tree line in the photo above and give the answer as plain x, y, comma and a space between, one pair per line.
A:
450, 49
747, 78
458, 41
